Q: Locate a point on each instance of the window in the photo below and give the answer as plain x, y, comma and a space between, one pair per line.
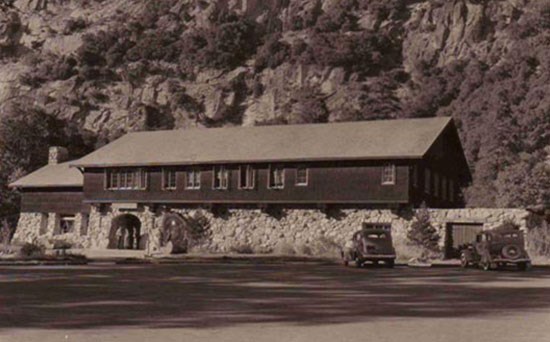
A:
384, 226
168, 179
221, 178
301, 176
125, 179
436, 184
66, 224
427, 181
247, 177
388, 174
276, 177
193, 179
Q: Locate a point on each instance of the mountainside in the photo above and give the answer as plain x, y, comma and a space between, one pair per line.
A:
86, 71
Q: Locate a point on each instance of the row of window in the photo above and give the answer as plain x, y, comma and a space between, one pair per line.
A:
136, 179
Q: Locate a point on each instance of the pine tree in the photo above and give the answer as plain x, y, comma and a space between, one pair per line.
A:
423, 234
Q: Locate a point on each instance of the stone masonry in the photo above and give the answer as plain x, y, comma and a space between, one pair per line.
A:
302, 231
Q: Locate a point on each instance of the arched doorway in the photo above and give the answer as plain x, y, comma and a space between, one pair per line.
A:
175, 230
126, 233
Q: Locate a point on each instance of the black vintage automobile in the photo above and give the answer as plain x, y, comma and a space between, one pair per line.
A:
370, 244
496, 248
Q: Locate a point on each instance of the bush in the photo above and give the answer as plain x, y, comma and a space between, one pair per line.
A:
73, 25
284, 248
325, 247
272, 54
222, 47
51, 68
307, 106
32, 250
62, 245
423, 234
538, 240
363, 52
242, 249
339, 17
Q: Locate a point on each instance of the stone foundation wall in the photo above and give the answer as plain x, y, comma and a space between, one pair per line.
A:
306, 231
42, 228
316, 232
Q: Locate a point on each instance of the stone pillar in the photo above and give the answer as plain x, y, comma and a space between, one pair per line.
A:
150, 227
99, 226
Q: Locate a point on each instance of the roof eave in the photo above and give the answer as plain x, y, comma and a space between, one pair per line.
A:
47, 186
208, 162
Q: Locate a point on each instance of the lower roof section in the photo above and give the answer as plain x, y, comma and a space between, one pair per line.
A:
51, 176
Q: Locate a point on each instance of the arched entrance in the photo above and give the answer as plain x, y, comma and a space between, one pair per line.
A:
126, 233
175, 230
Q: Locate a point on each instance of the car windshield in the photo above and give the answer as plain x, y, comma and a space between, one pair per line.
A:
376, 236
510, 235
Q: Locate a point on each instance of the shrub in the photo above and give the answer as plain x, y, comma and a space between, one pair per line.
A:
73, 25
307, 106
423, 234
222, 47
60, 244
325, 247
242, 249
339, 17
284, 248
538, 239
51, 68
362, 52
32, 250
272, 53
6, 231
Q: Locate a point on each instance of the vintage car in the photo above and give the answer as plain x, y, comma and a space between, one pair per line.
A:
369, 244
496, 248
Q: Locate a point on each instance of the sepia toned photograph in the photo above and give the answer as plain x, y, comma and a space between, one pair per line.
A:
275, 170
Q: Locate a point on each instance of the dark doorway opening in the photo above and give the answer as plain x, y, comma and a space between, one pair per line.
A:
126, 233
175, 230
458, 235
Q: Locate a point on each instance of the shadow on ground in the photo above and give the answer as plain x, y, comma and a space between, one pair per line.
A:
215, 295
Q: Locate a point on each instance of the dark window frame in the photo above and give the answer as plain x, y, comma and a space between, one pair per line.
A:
195, 183
297, 176
170, 183
223, 182
116, 179
249, 177
388, 174
272, 179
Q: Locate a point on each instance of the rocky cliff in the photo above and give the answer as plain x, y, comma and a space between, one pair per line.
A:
120, 65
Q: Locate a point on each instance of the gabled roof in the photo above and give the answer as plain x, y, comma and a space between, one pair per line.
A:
59, 175
383, 139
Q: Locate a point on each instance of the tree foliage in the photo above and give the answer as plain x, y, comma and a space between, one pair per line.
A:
25, 134
423, 234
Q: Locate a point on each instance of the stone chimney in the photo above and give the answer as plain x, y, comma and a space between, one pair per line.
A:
57, 155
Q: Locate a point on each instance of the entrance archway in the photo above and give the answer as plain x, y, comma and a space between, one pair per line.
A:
175, 230
126, 233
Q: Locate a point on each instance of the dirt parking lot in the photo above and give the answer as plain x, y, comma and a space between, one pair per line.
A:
277, 302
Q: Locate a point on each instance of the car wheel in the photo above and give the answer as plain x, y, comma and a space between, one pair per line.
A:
345, 262
358, 263
390, 263
463, 260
